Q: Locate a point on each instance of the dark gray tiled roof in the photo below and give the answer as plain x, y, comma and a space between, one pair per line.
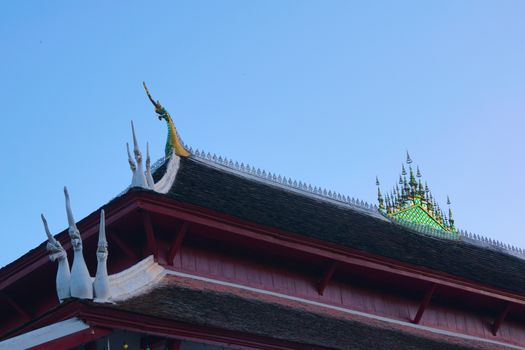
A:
262, 318
248, 199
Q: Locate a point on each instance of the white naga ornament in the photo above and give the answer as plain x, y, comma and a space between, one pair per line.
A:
81, 286
101, 282
77, 283
149, 178
56, 252
138, 179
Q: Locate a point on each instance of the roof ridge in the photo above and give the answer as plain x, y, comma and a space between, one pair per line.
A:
483, 241
283, 181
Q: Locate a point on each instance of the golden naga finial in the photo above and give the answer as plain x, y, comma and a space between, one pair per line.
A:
173, 141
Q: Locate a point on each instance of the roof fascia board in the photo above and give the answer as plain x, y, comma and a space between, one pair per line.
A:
322, 249
45, 334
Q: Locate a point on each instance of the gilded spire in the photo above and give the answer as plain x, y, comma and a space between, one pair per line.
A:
412, 201
409, 160
379, 196
173, 142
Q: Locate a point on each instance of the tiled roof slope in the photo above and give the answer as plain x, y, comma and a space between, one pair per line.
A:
235, 313
233, 194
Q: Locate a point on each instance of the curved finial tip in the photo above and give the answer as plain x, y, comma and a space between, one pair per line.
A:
46, 228
135, 143
149, 95
69, 212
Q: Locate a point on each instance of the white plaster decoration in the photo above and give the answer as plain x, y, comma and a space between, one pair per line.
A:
101, 283
56, 252
135, 280
131, 162
45, 334
138, 179
81, 283
149, 178
165, 183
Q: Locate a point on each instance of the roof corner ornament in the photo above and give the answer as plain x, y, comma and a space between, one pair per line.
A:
149, 177
173, 142
138, 179
101, 283
57, 252
80, 286
78, 283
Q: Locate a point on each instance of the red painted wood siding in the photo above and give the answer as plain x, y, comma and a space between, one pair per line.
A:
194, 259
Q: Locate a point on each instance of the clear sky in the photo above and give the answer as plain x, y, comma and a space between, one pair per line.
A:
328, 92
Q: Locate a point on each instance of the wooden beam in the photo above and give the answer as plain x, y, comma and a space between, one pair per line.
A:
321, 285
173, 344
424, 303
177, 242
498, 321
91, 346
114, 238
26, 315
151, 245
73, 340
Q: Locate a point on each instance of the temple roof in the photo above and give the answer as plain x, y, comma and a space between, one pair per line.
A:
210, 185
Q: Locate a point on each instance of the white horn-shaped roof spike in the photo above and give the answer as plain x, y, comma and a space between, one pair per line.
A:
131, 162
81, 286
138, 180
56, 252
101, 282
135, 143
50, 237
70, 219
149, 178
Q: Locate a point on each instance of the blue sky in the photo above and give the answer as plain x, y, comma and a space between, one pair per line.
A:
328, 92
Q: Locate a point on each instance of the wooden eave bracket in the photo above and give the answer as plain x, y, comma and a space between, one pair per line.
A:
113, 237
323, 282
25, 314
151, 245
177, 243
424, 303
501, 317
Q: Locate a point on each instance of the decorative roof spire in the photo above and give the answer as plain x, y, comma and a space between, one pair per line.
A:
56, 252
379, 196
149, 178
409, 160
173, 142
81, 286
131, 162
101, 282
450, 218
138, 179
414, 203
